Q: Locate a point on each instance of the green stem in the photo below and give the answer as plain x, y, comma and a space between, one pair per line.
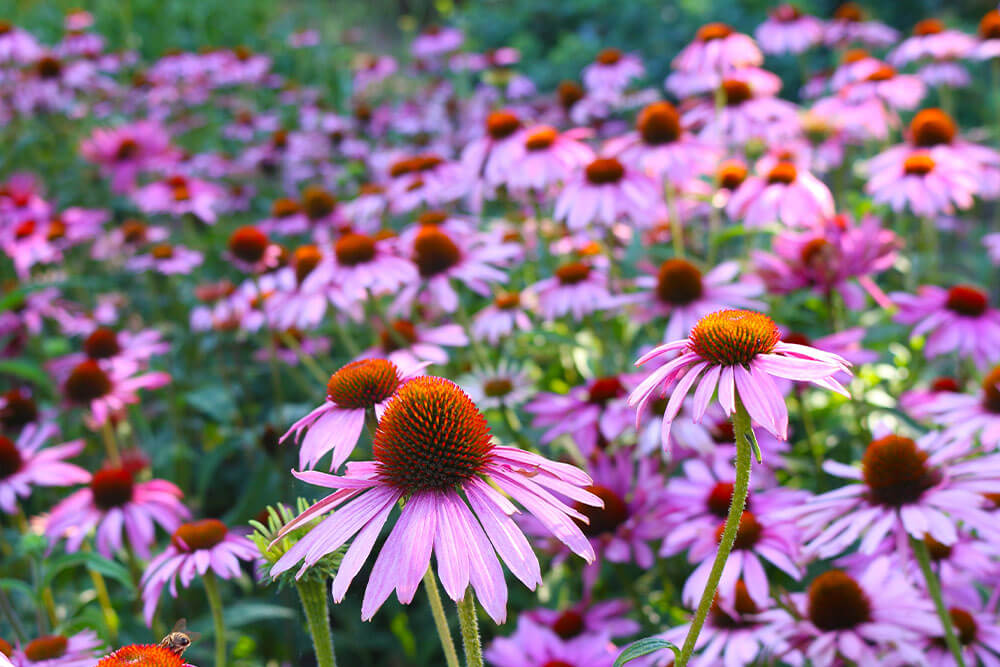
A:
215, 603
312, 592
304, 357
8, 611
676, 229
103, 599
111, 443
469, 623
934, 589
741, 425
440, 622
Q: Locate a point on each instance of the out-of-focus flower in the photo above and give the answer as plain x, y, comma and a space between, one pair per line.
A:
958, 320
27, 463
533, 645
788, 30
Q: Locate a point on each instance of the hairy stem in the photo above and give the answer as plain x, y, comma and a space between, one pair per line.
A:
440, 622
111, 443
218, 623
741, 426
934, 589
470, 630
312, 593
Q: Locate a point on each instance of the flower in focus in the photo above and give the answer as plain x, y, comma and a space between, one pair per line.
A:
27, 463
114, 501
143, 655
195, 548
533, 645
79, 650
738, 352
958, 320
336, 425
432, 441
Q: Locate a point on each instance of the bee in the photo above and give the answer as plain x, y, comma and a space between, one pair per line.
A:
179, 639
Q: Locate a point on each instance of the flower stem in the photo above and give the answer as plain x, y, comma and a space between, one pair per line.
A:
741, 425
312, 593
676, 229
470, 630
304, 357
215, 603
111, 443
934, 589
8, 611
440, 622
103, 599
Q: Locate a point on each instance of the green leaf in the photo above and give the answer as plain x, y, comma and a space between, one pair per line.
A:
245, 613
19, 586
26, 370
96, 562
645, 647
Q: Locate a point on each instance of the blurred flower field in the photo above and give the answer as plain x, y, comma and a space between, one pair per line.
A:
433, 335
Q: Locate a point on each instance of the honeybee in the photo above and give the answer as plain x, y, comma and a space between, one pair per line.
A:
180, 638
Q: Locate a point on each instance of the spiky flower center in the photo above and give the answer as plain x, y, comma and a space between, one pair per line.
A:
609, 56
248, 244
787, 14
431, 437
569, 624
285, 208
102, 343
731, 174
783, 172
162, 251
748, 533
11, 460
46, 648
712, 31
849, 11
353, 249
362, 384
304, 260
5, 648
433, 218
678, 282
569, 93
199, 535
128, 148
742, 604
730, 337
572, 273
497, 387
134, 231
400, 334
434, 252
837, 602
918, 164
719, 498
965, 625
508, 301
146, 655
896, 471
991, 391
18, 409
317, 202
967, 300
603, 520
937, 551
659, 123
932, 127
502, 124
928, 27
112, 487
87, 382
605, 389
989, 25
736, 92
605, 171
541, 138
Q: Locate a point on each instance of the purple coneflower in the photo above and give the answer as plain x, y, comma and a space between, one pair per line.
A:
124, 152
737, 351
534, 645
27, 463
578, 288
195, 548
405, 344
431, 442
501, 318
788, 30
603, 193
933, 41
786, 194
611, 72
850, 23
718, 47
166, 259
607, 617
106, 388
964, 417
336, 425
959, 320
588, 414
114, 501
79, 650
180, 195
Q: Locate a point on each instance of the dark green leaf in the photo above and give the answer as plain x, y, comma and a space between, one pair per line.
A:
644, 647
